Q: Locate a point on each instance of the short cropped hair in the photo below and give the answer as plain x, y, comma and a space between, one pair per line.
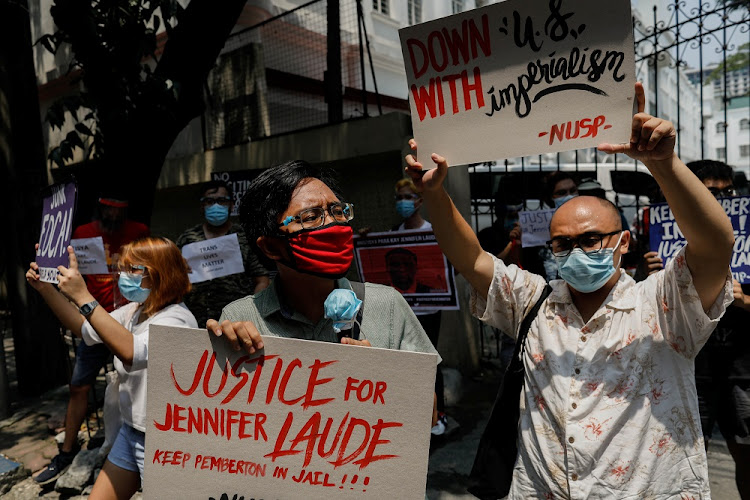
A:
711, 169
269, 194
212, 185
165, 266
400, 251
406, 182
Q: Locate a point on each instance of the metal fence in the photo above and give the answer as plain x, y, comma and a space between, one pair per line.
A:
693, 61
272, 78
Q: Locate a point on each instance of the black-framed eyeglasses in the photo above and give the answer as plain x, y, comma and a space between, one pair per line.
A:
221, 200
410, 196
561, 246
315, 217
727, 192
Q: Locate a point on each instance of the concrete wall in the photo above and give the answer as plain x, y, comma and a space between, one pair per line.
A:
368, 154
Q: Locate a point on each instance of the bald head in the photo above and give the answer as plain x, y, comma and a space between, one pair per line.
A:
585, 214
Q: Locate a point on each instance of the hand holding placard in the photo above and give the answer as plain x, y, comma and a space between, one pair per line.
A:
71, 281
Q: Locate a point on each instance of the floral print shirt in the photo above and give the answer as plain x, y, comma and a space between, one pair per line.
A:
609, 407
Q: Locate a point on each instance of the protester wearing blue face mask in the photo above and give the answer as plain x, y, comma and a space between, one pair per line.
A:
208, 298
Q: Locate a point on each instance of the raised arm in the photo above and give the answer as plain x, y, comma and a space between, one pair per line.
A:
112, 333
66, 312
701, 219
455, 237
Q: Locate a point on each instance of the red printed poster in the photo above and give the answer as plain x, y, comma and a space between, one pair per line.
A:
412, 263
518, 78
301, 419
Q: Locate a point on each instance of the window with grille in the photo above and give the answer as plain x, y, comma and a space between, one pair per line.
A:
745, 150
415, 11
720, 127
457, 6
744, 124
381, 6
721, 153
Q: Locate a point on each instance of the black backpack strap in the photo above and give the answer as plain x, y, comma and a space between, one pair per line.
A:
359, 290
492, 472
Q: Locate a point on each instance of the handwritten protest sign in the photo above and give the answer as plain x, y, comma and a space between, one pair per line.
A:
667, 240
535, 227
57, 220
238, 180
213, 258
516, 78
412, 263
303, 419
92, 258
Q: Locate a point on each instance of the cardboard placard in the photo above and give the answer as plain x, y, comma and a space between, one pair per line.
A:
57, 226
535, 227
91, 256
303, 420
213, 258
238, 180
517, 78
412, 263
667, 240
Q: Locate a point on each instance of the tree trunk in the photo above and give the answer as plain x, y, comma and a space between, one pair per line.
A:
40, 353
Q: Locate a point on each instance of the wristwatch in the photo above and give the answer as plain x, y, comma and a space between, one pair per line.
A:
88, 308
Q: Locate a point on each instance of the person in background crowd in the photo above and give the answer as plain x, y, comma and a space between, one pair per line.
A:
608, 404
301, 223
559, 187
408, 203
112, 224
154, 279
592, 187
722, 368
207, 298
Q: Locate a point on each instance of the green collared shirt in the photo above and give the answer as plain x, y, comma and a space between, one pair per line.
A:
387, 321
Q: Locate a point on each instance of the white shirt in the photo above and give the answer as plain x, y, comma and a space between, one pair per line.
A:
609, 408
133, 377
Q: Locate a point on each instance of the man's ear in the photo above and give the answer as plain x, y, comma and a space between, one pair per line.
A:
272, 247
625, 243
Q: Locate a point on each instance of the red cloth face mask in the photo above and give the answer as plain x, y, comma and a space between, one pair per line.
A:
326, 251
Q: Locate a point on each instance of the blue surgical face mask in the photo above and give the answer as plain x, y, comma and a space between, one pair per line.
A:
130, 287
341, 306
216, 214
587, 272
405, 208
559, 201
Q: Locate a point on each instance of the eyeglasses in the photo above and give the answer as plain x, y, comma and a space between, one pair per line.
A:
221, 200
565, 192
132, 269
723, 193
315, 217
561, 246
400, 197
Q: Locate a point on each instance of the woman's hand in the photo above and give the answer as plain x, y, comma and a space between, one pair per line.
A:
239, 334
32, 276
430, 180
71, 283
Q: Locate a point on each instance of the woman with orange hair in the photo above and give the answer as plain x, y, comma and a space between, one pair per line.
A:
154, 278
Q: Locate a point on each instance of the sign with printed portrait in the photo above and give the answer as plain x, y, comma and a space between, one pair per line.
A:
412, 263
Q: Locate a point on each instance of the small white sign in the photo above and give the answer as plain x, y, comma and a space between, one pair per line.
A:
535, 227
213, 258
92, 259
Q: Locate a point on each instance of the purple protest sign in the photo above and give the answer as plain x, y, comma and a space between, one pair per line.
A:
57, 221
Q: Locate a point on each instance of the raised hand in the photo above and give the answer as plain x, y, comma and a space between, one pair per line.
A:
71, 283
32, 276
651, 139
430, 180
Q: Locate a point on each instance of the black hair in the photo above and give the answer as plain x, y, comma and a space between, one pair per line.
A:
400, 251
551, 181
711, 169
214, 184
269, 194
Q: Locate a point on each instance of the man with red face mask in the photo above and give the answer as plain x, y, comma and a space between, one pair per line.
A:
294, 216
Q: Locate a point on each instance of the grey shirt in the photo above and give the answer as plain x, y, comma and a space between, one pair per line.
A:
387, 321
